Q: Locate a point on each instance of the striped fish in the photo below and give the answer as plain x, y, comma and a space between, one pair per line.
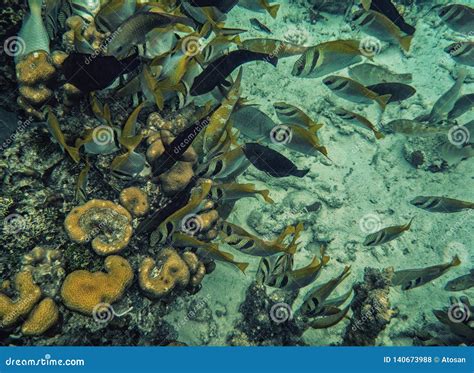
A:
87, 9
386, 234
56, 13
441, 204
249, 244
458, 17
272, 266
288, 113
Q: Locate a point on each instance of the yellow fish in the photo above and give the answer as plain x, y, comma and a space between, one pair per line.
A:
207, 249
249, 244
359, 120
55, 130
288, 113
234, 191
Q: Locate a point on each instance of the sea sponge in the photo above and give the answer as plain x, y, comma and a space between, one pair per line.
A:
135, 201
47, 268
82, 290
178, 177
35, 68
197, 269
28, 295
42, 318
158, 278
107, 224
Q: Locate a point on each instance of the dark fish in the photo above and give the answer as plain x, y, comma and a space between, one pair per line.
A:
259, 25
461, 283
463, 105
398, 91
216, 72
91, 73
387, 8
271, 162
223, 5
179, 145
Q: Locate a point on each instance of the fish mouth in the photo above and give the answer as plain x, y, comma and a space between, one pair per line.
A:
329, 81
444, 10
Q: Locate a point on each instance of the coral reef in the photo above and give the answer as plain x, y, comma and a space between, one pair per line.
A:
104, 222
267, 320
170, 271
47, 267
44, 316
82, 290
28, 295
135, 201
33, 72
179, 176
370, 307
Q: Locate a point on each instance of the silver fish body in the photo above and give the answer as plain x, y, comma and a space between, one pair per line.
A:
446, 102
327, 58
134, 30
461, 283
253, 123
441, 204
370, 74
462, 52
33, 35
463, 105
87, 9
458, 17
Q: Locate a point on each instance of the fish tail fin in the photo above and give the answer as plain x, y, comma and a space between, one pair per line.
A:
383, 100
74, 153
408, 226
273, 10
315, 127
379, 135
323, 150
366, 4
291, 248
35, 6
456, 261
242, 266
302, 173
405, 42
266, 196
286, 232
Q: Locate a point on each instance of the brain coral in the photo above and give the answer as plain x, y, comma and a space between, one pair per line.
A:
159, 278
28, 295
82, 290
135, 201
107, 224
42, 318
